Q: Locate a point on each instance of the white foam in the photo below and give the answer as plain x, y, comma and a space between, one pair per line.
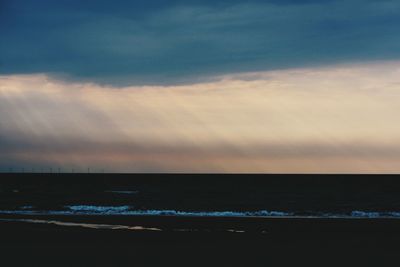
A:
124, 210
128, 210
99, 209
364, 214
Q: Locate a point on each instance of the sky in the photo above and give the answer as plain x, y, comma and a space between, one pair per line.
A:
200, 86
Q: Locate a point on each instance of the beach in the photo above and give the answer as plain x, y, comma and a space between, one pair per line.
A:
342, 243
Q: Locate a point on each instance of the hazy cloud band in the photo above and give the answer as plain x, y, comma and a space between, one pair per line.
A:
341, 118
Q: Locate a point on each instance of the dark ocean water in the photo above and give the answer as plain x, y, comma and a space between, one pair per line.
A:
321, 196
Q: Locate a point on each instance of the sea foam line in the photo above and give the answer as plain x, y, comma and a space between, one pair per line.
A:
128, 210
125, 210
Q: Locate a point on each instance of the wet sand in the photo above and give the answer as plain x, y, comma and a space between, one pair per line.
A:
338, 242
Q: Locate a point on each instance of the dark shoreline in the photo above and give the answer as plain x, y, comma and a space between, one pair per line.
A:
271, 225
27, 244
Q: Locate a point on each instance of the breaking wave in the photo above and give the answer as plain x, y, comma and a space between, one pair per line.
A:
125, 210
129, 210
99, 209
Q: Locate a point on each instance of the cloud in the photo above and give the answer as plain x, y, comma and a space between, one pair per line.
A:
341, 118
175, 42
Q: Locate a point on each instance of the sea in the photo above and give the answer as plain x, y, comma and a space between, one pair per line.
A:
38, 197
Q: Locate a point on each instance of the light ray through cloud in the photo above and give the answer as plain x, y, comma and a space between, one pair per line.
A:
338, 118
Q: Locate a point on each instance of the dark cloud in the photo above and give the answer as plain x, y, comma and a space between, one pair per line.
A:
161, 42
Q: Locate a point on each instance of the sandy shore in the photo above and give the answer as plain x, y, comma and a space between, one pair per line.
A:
367, 242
